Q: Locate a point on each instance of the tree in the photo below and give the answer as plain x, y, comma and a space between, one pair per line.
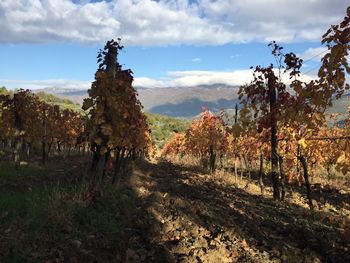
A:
118, 127
175, 146
207, 137
266, 96
303, 109
20, 114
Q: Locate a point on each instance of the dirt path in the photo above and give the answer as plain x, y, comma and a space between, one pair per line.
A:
192, 217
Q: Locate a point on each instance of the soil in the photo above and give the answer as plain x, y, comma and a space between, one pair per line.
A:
198, 217
183, 214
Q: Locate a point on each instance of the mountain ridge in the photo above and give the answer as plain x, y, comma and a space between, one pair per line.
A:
172, 101
181, 101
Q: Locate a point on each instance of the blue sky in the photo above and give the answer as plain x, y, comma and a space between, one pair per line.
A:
167, 43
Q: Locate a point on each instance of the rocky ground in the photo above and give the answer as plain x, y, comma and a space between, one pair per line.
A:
197, 217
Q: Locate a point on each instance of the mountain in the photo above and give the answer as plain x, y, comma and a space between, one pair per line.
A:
74, 95
172, 101
186, 102
56, 90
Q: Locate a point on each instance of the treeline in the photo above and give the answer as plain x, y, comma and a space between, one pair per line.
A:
111, 124
31, 126
162, 127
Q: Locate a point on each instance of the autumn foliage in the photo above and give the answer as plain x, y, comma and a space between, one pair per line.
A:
27, 122
283, 123
118, 127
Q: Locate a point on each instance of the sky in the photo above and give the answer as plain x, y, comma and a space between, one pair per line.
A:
46, 43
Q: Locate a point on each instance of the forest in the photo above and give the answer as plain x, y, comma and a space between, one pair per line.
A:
107, 182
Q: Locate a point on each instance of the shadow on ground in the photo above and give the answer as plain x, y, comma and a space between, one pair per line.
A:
159, 213
195, 218
324, 195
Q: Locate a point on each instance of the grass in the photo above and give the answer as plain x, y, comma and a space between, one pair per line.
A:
15, 198
61, 222
8, 171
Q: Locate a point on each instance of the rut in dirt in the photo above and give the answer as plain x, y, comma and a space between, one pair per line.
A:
192, 217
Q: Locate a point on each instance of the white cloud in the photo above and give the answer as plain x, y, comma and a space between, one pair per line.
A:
52, 20
40, 84
194, 78
233, 78
147, 82
172, 79
210, 78
163, 22
196, 60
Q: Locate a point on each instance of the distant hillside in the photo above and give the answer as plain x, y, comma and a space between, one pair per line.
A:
188, 101
74, 95
163, 127
185, 102
62, 102
340, 105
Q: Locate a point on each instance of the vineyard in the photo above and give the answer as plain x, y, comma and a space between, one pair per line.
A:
109, 183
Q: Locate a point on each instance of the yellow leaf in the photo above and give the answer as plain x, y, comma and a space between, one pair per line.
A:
341, 158
302, 142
